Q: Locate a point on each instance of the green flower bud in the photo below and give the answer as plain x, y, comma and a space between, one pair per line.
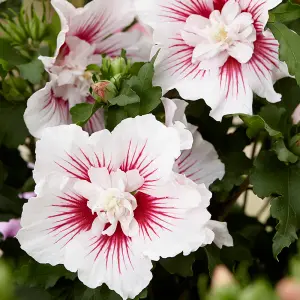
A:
295, 144
119, 66
104, 90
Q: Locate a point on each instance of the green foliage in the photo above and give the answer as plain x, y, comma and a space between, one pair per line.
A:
12, 127
285, 12
33, 274
289, 42
181, 265
271, 178
32, 71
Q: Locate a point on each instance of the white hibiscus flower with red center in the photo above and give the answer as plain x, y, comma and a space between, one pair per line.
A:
109, 203
217, 50
86, 34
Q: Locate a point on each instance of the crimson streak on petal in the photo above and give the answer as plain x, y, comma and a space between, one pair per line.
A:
74, 217
154, 214
115, 248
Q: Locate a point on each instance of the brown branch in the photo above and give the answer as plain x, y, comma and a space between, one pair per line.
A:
231, 200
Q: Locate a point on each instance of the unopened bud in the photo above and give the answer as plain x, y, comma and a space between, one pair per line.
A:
119, 66
221, 277
103, 91
295, 144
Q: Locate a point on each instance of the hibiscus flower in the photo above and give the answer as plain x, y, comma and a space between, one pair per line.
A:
109, 203
217, 50
87, 33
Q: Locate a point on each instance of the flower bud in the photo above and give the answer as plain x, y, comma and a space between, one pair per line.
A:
295, 144
119, 66
104, 90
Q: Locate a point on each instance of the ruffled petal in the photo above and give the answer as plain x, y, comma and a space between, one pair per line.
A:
153, 12
232, 94
176, 213
70, 151
115, 260
201, 164
113, 45
144, 148
45, 109
222, 236
259, 11
263, 68
53, 219
98, 19
273, 3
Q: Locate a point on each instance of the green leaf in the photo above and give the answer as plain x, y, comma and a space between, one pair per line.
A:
101, 293
43, 275
256, 123
180, 264
31, 293
82, 112
114, 116
13, 130
283, 153
272, 178
32, 71
145, 76
135, 68
150, 100
127, 96
213, 257
289, 42
10, 54
285, 12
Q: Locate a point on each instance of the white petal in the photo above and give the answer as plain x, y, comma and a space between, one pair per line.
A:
100, 177
144, 148
170, 108
222, 236
68, 150
215, 62
265, 68
119, 180
177, 213
99, 19
273, 3
154, 12
231, 94
52, 219
230, 11
113, 45
116, 261
141, 50
259, 11
65, 11
200, 164
206, 51
134, 180
196, 22
242, 52
44, 109
89, 190
186, 137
